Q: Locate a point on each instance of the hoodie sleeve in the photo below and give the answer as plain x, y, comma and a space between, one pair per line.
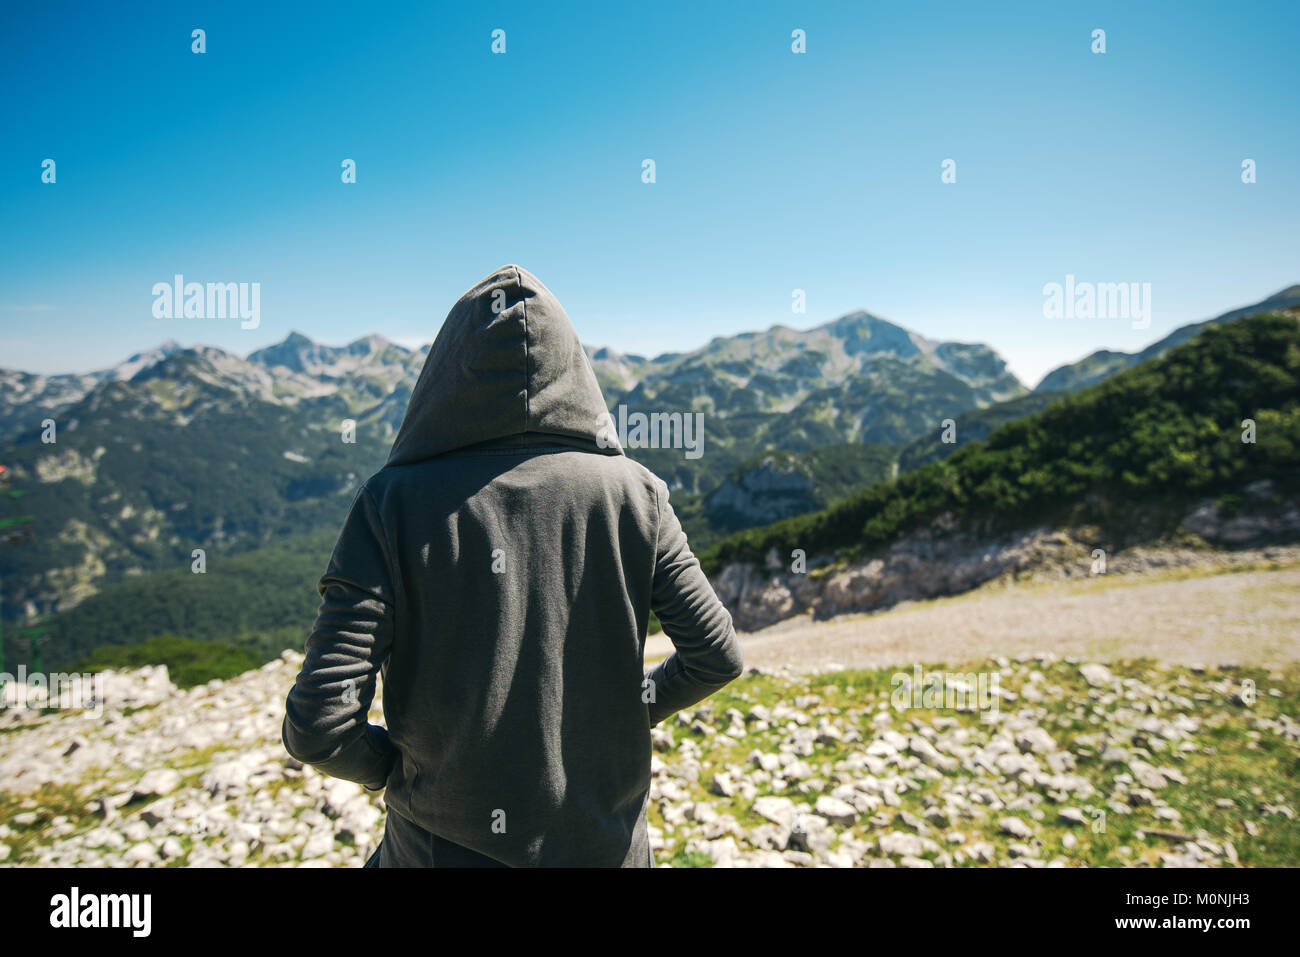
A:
325, 722
708, 654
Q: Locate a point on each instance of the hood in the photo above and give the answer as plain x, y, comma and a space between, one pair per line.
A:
507, 361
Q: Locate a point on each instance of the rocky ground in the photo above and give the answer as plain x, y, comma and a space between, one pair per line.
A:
1070, 763
1134, 764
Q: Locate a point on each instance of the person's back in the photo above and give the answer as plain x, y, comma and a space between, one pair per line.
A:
501, 570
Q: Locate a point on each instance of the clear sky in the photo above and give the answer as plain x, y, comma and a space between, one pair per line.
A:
775, 170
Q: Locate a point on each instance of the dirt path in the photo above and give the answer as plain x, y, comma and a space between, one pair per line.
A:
1248, 617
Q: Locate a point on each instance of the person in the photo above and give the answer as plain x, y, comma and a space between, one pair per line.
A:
498, 573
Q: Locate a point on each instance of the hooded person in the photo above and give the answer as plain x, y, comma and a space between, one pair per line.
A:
499, 572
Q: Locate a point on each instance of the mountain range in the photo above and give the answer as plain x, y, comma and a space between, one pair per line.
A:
177, 449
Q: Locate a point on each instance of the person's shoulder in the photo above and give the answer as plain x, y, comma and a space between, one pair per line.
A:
390, 480
641, 474
636, 482
382, 483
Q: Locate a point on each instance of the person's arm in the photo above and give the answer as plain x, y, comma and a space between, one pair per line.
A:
325, 722
708, 654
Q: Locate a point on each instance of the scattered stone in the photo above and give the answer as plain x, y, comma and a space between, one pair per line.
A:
1015, 827
140, 853
897, 843
722, 785
1098, 676
1035, 740
901, 789
157, 783
778, 810
836, 811
1147, 775
811, 833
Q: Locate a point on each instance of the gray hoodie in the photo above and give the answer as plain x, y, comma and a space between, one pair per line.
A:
499, 573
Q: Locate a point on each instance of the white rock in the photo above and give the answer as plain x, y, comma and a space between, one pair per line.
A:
1096, 675
901, 844
1073, 815
765, 760
339, 793
136, 831
318, 845
810, 833
836, 811
1015, 827
158, 783
230, 777
144, 851
778, 810
798, 771
1147, 775
1035, 740
723, 851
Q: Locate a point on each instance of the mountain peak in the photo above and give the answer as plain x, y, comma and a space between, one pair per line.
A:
368, 344
295, 352
137, 363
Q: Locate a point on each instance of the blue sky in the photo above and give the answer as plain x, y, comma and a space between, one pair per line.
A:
775, 171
